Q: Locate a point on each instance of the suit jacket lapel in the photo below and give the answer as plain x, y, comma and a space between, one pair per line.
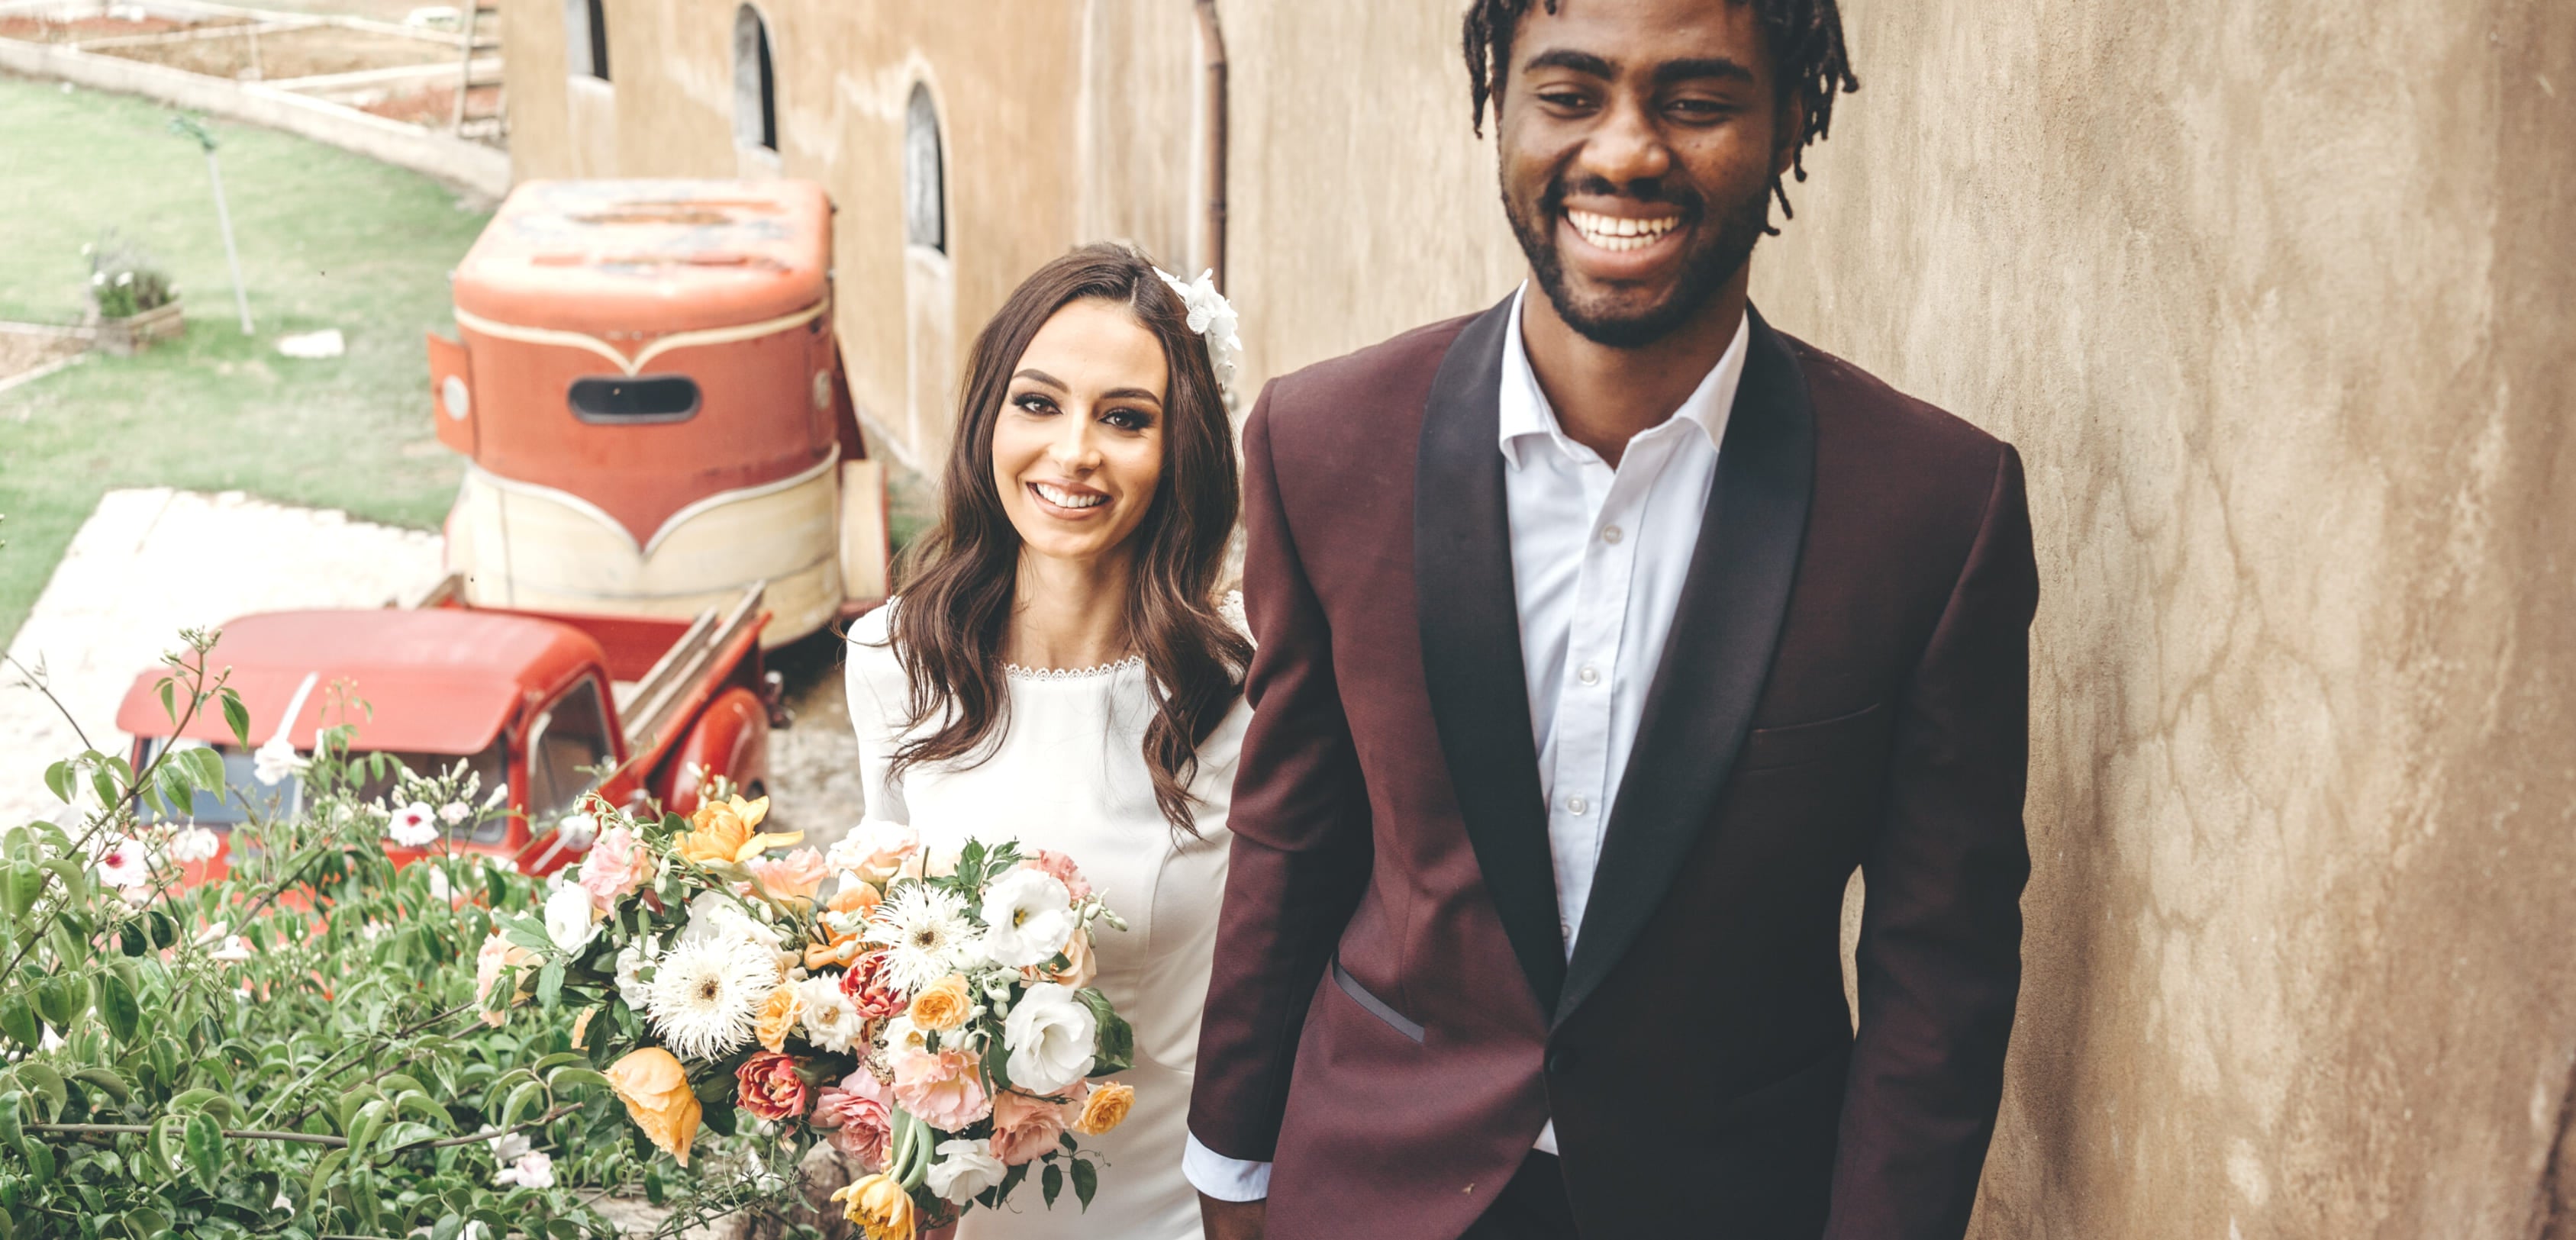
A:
1700, 703
1471, 646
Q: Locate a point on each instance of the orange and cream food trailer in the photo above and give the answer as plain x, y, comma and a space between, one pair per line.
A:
647, 386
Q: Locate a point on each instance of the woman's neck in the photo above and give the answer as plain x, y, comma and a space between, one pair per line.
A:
1069, 614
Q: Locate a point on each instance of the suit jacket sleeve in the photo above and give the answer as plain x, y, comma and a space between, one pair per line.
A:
1301, 846
1939, 961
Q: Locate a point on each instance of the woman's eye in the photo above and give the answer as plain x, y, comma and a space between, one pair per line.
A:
1034, 403
1126, 419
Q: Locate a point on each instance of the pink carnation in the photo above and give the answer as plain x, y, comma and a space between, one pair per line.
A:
792, 877
1061, 867
855, 1113
944, 1090
1024, 1128
618, 863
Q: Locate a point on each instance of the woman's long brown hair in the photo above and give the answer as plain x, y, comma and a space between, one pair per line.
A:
957, 579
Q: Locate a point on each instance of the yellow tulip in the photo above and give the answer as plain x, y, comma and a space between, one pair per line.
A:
879, 1206
655, 1089
723, 832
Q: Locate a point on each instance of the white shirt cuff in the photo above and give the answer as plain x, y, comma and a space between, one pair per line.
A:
1226, 1179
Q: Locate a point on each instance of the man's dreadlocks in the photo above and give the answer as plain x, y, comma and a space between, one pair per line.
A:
1807, 57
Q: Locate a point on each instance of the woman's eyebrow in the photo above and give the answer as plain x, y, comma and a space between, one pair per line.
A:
1034, 375
1129, 393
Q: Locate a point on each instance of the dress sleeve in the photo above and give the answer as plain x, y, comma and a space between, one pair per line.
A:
870, 678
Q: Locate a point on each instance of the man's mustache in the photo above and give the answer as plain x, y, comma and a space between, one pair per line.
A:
1688, 201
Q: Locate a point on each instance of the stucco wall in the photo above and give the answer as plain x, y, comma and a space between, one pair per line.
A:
2275, 299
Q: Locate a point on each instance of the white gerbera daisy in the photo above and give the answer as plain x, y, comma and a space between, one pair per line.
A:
705, 996
831, 1020
926, 935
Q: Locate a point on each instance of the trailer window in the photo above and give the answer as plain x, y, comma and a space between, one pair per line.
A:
626, 399
565, 749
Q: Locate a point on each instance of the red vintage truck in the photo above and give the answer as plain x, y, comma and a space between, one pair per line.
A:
537, 702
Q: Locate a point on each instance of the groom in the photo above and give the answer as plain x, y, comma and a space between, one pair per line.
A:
1602, 635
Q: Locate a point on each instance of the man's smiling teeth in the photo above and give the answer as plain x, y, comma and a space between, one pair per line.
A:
1067, 499
1618, 233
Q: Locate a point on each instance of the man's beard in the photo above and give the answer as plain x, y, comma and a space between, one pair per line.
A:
1711, 261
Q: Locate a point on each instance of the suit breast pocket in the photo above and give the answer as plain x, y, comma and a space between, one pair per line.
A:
1858, 732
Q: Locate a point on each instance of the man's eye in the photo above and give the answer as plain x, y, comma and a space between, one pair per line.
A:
1566, 99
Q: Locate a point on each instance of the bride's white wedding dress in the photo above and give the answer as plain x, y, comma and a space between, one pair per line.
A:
1069, 775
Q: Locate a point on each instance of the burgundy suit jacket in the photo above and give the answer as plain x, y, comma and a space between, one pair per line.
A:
1393, 1015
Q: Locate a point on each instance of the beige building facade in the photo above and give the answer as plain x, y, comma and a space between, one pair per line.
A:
2276, 300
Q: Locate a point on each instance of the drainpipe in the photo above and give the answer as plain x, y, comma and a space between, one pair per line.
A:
1212, 42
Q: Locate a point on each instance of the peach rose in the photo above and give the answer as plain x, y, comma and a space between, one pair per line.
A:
618, 863
778, 1016
1061, 867
498, 954
854, 1113
792, 878
655, 1089
724, 832
880, 1206
875, 850
944, 1090
868, 988
1079, 966
1105, 1109
941, 1005
1024, 1128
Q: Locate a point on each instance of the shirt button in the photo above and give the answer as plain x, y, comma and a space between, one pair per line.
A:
1576, 806
1588, 675
1611, 534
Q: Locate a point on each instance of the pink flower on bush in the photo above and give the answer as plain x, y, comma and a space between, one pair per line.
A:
942, 1090
1024, 1128
792, 877
855, 1113
771, 1089
1061, 867
618, 863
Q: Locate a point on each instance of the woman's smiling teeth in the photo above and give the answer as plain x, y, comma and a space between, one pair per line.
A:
1067, 499
1617, 233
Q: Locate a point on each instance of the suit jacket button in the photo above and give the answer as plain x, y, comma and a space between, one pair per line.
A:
1560, 1061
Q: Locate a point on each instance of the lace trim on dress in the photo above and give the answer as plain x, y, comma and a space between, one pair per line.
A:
1017, 672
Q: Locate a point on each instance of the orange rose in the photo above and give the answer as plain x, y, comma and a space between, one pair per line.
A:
1105, 1109
778, 1016
655, 1089
941, 1005
1079, 966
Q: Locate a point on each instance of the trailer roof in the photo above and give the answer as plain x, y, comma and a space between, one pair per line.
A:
438, 680
619, 259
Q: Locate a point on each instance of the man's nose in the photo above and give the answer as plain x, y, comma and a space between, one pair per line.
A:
1626, 149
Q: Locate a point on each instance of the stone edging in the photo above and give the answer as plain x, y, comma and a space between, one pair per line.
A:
466, 165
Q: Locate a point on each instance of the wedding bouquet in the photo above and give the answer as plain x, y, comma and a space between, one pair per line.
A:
931, 1017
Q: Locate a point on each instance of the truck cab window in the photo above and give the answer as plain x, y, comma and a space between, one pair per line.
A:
571, 735
629, 399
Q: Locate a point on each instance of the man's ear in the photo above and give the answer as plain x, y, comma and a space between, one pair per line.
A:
1789, 126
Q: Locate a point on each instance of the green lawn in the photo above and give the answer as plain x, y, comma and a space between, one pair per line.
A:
327, 239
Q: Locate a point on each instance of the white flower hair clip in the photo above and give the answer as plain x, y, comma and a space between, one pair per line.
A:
1212, 317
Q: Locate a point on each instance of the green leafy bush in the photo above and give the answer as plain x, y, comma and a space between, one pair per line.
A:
124, 281
298, 1047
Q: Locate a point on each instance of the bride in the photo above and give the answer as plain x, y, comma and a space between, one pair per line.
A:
1058, 670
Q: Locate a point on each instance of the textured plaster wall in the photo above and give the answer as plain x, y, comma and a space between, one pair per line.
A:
2276, 300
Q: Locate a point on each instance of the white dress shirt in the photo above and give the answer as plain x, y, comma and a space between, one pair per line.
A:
1599, 556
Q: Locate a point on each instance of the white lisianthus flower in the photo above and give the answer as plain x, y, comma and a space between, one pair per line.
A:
903, 1035
715, 916
831, 1020
124, 864
276, 762
570, 919
1028, 916
632, 960
413, 826
1050, 1035
534, 1169
195, 843
964, 1169
508, 1147
454, 812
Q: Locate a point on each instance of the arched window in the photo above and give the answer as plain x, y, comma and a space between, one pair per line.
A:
755, 84
586, 38
925, 193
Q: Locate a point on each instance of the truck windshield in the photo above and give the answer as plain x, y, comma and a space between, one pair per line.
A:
244, 794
